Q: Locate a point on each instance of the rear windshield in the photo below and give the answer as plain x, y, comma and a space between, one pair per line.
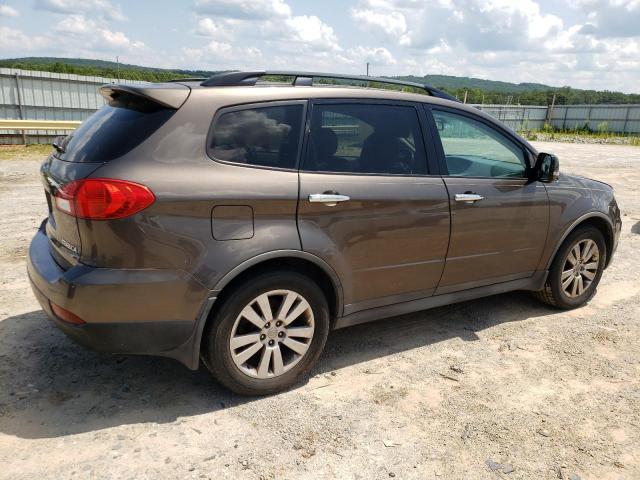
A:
115, 129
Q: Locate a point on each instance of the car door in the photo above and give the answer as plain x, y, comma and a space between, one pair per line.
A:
368, 206
499, 217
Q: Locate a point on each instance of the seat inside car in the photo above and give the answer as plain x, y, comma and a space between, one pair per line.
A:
324, 145
381, 151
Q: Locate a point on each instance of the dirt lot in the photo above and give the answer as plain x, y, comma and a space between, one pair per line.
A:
446, 393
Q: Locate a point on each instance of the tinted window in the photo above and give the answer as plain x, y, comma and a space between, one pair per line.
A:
472, 149
365, 138
265, 136
115, 129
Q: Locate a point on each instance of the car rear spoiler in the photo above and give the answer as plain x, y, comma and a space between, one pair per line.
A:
170, 95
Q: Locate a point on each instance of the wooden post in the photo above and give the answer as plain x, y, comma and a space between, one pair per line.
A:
626, 119
550, 109
20, 106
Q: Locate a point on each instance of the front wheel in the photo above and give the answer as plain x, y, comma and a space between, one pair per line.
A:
268, 333
576, 269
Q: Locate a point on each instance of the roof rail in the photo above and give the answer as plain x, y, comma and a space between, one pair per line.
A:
187, 79
238, 79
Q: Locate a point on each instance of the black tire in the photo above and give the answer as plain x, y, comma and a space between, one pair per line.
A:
217, 352
552, 293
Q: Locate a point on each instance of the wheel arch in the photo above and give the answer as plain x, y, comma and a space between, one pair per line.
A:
290, 260
596, 219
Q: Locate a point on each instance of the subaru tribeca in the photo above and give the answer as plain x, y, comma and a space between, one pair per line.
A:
237, 220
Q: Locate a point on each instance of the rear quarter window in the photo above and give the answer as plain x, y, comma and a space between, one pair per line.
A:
114, 130
265, 136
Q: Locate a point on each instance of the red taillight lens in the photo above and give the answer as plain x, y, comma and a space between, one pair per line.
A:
66, 315
103, 198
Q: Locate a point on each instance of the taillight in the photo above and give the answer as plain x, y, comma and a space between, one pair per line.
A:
66, 315
103, 198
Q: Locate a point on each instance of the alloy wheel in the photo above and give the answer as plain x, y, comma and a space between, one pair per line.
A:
580, 268
272, 334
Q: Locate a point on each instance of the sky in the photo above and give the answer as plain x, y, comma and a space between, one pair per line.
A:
581, 43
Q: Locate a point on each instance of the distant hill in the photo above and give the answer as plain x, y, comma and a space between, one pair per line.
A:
102, 68
477, 90
451, 82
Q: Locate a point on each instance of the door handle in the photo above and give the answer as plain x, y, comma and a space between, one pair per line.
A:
329, 199
468, 197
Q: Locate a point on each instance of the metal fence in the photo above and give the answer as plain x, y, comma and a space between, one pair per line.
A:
32, 95
596, 118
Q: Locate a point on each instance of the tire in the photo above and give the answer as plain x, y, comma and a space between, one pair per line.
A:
235, 322
567, 297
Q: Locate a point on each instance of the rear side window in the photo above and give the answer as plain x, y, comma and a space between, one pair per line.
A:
365, 138
115, 129
266, 136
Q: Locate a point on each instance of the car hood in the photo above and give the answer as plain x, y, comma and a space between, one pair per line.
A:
583, 182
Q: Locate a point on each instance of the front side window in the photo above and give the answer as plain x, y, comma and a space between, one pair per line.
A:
365, 138
473, 149
263, 136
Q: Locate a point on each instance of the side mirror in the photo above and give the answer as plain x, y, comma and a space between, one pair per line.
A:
547, 168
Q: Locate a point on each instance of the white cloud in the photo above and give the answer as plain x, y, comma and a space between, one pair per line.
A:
207, 27
91, 33
221, 56
475, 24
392, 23
244, 9
610, 18
15, 40
8, 11
311, 31
376, 56
102, 7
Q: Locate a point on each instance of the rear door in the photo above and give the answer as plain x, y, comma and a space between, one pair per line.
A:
368, 205
499, 218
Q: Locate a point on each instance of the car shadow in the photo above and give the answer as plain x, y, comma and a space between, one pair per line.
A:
52, 387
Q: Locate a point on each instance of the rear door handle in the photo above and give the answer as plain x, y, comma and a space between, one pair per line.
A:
329, 199
468, 197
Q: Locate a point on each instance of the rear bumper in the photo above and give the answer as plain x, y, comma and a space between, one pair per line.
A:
150, 312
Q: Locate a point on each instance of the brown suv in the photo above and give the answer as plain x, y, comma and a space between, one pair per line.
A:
237, 220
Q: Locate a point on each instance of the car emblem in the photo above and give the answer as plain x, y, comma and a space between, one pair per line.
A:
68, 245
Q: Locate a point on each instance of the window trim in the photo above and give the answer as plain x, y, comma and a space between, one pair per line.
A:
423, 125
252, 106
497, 127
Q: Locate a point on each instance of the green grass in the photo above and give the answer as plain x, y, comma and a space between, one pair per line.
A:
24, 152
602, 136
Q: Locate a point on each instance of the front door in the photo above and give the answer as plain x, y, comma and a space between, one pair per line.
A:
367, 204
499, 218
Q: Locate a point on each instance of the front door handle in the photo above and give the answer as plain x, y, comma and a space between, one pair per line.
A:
329, 199
468, 197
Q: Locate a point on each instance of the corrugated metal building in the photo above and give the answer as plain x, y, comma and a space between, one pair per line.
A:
31, 95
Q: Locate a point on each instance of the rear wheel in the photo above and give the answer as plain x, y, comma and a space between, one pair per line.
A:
576, 270
268, 334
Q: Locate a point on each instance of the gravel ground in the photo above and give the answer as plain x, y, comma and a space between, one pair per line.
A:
502, 387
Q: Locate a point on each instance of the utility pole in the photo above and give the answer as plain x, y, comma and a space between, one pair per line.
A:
367, 69
118, 67
465, 97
